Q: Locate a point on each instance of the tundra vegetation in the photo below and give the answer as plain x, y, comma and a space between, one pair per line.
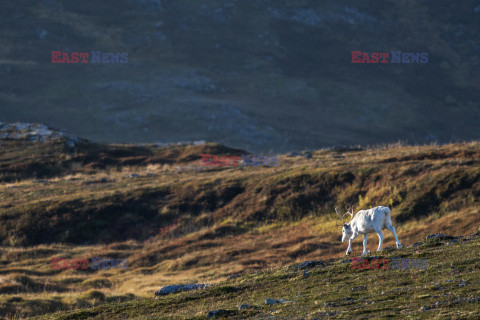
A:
236, 228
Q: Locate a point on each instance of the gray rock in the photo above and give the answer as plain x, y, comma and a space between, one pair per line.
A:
271, 301
416, 244
308, 264
453, 241
134, 175
437, 236
31, 131
246, 306
423, 308
178, 288
214, 313
72, 142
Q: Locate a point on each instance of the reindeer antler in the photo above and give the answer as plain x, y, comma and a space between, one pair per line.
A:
350, 211
341, 217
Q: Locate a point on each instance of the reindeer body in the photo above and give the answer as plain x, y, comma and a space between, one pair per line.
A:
365, 222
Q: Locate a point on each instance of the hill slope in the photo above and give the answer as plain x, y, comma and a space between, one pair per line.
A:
179, 222
448, 289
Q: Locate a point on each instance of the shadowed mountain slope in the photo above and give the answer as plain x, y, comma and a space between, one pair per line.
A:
257, 75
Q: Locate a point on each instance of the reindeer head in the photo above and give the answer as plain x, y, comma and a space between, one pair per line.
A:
346, 228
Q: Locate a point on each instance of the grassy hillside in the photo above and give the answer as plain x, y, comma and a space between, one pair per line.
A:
257, 75
178, 222
447, 289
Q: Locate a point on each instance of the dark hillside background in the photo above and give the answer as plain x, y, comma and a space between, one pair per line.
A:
258, 75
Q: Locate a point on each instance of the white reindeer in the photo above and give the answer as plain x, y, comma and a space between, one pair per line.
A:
365, 222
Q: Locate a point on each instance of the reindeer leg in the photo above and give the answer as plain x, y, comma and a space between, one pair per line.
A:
364, 244
391, 228
349, 249
380, 239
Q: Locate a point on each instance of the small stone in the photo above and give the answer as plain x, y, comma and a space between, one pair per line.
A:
308, 264
453, 241
72, 142
215, 313
134, 175
463, 284
246, 306
271, 301
416, 244
438, 236
178, 288
423, 308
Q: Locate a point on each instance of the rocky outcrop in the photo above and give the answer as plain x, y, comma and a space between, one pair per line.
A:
35, 132
180, 287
